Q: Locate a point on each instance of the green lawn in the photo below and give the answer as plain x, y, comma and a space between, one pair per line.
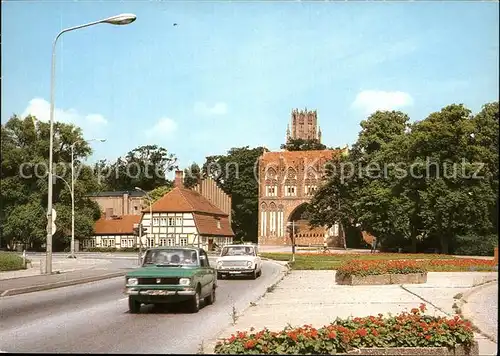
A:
433, 262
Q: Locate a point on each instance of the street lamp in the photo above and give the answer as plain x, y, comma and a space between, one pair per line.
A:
150, 220
73, 192
123, 19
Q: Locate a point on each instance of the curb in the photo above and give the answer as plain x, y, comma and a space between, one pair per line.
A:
208, 348
466, 315
54, 285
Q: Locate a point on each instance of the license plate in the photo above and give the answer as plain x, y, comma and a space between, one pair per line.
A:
158, 292
235, 272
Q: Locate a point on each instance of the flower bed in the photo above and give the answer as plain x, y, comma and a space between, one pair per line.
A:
378, 335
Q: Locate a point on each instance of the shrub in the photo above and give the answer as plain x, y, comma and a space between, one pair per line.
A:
11, 261
367, 268
412, 329
475, 245
100, 249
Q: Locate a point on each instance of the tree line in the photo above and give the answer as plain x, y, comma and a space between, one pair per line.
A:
417, 200
438, 188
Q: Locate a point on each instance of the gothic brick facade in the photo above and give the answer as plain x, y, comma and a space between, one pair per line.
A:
287, 182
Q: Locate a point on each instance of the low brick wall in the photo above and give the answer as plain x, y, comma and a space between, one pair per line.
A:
458, 351
411, 278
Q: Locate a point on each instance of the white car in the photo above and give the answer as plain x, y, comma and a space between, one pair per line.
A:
237, 260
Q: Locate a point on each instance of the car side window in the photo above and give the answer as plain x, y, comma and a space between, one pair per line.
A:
204, 259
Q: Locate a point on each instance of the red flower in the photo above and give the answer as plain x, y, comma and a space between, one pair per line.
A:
332, 335
422, 307
374, 332
427, 337
361, 332
249, 344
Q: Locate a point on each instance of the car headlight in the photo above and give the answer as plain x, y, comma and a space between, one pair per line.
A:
132, 281
249, 263
184, 281
219, 264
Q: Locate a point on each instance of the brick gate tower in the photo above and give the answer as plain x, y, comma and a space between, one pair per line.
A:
287, 182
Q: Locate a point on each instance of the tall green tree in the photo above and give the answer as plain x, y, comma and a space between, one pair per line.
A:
299, 144
145, 167
192, 176
24, 186
236, 174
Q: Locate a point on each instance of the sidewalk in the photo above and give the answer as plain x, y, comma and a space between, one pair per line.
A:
37, 283
66, 272
59, 264
313, 297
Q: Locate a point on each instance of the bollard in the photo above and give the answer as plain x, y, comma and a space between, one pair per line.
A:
42, 266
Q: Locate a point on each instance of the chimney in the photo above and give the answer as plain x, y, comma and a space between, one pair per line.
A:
179, 179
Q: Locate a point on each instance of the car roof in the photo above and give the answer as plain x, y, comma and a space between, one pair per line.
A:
175, 248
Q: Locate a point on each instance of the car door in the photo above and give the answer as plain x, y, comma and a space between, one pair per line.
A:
207, 274
258, 259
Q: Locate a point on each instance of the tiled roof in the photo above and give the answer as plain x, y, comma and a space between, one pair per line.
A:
122, 225
207, 225
181, 200
291, 157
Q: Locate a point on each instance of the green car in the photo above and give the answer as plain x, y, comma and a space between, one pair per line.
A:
172, 275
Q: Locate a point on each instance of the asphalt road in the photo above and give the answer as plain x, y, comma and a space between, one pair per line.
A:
94, 318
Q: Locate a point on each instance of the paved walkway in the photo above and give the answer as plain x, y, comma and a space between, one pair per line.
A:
32, 282
482, 307
60, 264
313, 297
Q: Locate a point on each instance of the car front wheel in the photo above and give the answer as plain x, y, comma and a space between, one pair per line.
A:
194, 303
211, 298
133, 305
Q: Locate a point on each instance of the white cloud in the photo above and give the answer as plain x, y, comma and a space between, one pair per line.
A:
202, 108
40, 108
372, 100
163, 127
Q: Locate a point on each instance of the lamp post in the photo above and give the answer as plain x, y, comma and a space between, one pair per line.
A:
150, 218
72, 255
123, 19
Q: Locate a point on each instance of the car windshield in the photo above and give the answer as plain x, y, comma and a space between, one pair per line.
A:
238, 251
171, 257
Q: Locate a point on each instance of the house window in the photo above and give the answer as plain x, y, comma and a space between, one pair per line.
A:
178, 221
108, 242
271, 191
171, 221
183, 241
309, 189
163, 242
171, 242
130, 243
290, 191
218, 223
89, 243
123, 242
156, 221
163, 221
151, 242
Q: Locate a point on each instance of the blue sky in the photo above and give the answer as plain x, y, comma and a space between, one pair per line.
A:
231, 72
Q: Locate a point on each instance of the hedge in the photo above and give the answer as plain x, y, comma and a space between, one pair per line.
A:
10, 261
